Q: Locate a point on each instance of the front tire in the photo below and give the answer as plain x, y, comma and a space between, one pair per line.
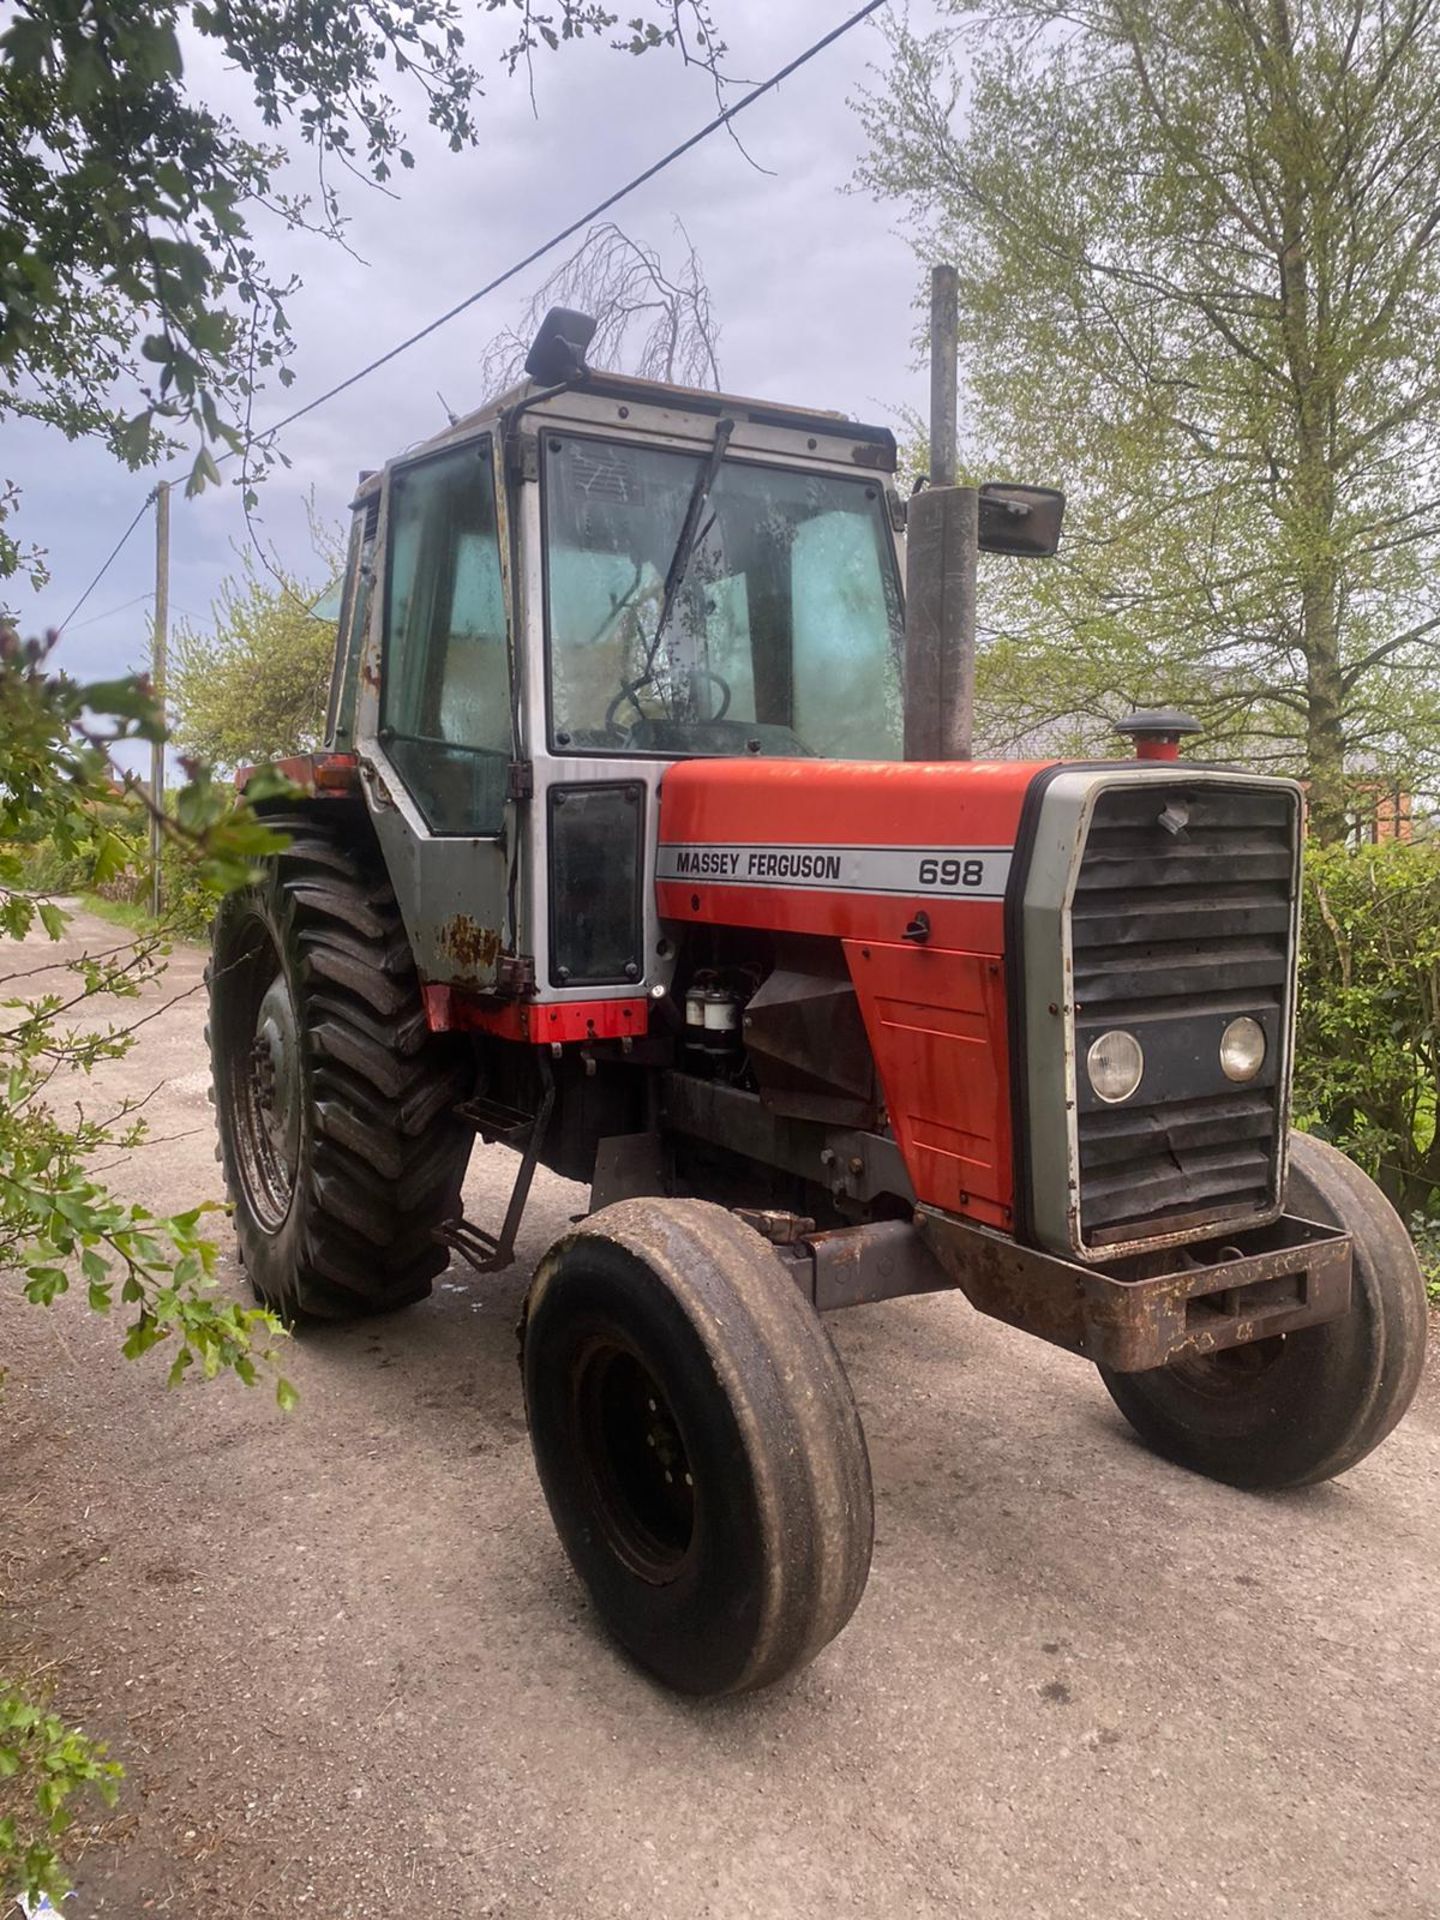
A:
698, 1444
335, 1103
1300, 1407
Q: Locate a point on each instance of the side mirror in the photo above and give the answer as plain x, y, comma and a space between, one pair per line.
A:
557, 353
1024, 521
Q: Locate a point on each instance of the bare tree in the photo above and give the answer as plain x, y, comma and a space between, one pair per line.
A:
647, 321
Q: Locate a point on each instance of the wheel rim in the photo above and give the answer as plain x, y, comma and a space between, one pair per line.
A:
1233, 1372
641, 1483
266, 1087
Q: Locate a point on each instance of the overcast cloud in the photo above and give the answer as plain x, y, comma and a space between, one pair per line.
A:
813, 290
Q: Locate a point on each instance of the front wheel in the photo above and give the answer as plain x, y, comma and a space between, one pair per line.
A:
698, 1444
1299, 1407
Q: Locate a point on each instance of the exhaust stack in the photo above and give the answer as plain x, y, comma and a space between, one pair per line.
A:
1157, 732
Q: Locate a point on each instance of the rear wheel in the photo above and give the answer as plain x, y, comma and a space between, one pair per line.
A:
1300, 1407
334, 1102
698, 1444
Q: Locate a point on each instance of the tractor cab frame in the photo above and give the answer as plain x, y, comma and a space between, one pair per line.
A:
503, 588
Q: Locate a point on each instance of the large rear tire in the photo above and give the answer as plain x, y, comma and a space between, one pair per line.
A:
335, 1103
698, 1444
1300, 1407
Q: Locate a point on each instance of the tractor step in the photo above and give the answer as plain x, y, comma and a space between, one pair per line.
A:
485, 1252
493, 1120
490, 1252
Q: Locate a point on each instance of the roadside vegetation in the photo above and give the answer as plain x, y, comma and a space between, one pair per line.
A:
1368, 1042
62, 1228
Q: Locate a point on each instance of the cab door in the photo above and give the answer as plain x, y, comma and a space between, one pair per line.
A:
437, 735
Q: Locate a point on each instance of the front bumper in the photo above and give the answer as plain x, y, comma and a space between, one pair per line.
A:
1146, 1310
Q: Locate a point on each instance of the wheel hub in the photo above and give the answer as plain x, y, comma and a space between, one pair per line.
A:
642, 1473
273, 1072
1233, 1372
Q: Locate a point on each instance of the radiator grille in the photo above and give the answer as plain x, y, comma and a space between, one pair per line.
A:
1183, 913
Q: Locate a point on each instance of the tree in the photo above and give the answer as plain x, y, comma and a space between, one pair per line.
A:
647, 322
1199, 254
253, 686
135, 303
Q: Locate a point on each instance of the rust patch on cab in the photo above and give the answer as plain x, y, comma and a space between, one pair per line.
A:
471, 946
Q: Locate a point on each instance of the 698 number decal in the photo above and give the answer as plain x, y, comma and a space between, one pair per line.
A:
936, 872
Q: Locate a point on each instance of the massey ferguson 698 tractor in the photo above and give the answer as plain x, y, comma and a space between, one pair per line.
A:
622, 853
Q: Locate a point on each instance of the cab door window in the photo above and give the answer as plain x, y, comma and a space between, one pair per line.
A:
354, 623
445, 708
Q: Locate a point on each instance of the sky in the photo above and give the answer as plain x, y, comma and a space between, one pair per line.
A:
814, 290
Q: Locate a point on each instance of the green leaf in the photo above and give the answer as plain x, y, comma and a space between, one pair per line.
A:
204, 473
53, 919
132, 439
111, 858
44, 1284
142, 1336
27, 45
126, 699
286, 1398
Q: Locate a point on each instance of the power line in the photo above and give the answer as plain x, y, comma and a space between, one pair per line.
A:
114, 556
721, 119
110, 612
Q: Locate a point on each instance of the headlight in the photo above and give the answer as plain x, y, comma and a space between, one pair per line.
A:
1242, 1049
1115, 1064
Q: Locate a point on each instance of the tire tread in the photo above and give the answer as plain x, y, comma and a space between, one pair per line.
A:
386, 1155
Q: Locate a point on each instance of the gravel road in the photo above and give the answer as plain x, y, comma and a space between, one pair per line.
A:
350, 1674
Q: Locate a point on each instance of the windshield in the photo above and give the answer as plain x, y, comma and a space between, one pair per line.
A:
785, 636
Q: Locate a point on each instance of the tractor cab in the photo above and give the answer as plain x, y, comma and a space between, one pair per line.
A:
564, 593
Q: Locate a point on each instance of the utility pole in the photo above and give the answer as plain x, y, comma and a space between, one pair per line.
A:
157, 680
944, 373
943, 551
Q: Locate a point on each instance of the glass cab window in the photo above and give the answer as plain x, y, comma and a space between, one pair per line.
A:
354, 622
445, 706
784, 636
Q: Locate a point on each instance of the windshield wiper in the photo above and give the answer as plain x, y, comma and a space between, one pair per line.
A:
685, 545
690, 528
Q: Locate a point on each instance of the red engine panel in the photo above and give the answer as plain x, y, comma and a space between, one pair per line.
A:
906, 865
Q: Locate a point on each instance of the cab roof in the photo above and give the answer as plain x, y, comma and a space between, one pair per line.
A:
624, 386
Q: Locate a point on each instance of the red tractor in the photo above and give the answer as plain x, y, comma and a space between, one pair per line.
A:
617, 855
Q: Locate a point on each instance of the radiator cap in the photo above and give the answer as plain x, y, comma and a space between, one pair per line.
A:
1157, 731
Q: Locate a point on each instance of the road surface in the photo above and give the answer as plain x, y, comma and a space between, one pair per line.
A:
350, 1674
